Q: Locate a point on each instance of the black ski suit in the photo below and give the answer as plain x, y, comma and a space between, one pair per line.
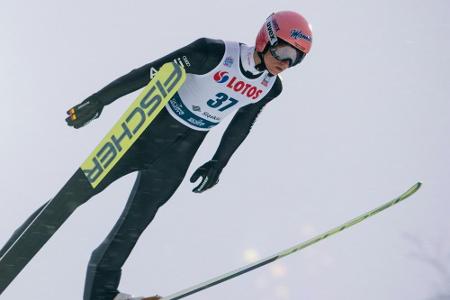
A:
161, 156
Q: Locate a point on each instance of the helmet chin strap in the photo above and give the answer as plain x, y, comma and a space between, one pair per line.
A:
262, 65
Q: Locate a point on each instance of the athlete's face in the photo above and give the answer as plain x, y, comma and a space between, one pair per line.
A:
273, 65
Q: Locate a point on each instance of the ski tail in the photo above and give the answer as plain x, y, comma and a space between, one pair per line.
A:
38, 229
41, 226
133, 122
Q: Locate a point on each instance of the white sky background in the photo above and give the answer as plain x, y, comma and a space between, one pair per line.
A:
364, 117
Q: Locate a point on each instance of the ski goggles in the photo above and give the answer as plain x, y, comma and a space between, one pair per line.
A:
285, 52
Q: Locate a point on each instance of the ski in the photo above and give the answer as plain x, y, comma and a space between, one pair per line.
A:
250, 267
40, 227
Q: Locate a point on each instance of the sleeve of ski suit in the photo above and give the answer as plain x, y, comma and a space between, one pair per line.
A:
241, 124
199, 57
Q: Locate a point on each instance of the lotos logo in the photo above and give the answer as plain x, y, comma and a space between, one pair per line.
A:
221, 76
238, 86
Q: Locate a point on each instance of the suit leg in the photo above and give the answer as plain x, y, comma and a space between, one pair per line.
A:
153, 187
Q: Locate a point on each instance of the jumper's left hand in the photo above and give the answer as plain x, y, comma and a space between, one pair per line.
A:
210, 173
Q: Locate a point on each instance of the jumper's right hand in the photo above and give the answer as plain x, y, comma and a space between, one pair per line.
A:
210, 173
83, 113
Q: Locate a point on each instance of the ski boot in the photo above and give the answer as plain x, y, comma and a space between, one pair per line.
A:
123, 296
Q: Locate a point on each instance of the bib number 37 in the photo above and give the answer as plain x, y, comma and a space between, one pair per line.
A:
222, 102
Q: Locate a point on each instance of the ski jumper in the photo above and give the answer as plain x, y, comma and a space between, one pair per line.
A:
221, 79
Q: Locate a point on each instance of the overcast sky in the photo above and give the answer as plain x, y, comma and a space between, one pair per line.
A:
363, 118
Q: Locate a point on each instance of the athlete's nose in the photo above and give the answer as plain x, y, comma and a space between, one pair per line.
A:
282, 65
285, 64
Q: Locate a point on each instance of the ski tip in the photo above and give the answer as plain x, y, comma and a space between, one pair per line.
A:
412, 190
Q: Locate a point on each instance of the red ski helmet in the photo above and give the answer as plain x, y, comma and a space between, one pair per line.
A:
287, 26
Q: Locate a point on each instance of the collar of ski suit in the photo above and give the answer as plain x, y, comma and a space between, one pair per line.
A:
247, 60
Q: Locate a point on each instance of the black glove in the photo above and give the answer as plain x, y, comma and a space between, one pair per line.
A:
85, 112
209, 172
